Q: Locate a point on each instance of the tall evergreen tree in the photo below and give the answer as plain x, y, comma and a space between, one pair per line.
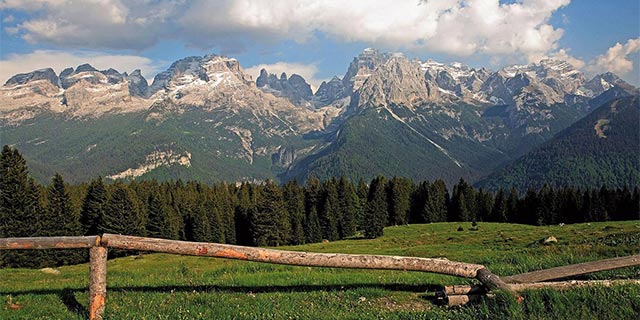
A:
418, 210
270, 222
158, 220
348, 204
329, 212
377, 208
363, 193
499, 212
121, 214
484, 205
294, 201
93, 206
512, 205
399, 191
312, 229
20, 209
437, 201
61, 220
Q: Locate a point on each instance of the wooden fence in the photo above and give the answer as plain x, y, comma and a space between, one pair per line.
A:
98, 246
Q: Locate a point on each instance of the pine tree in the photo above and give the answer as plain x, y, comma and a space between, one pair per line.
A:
158, 221
437, 200
459, 210
294, 201
312, 229
418, 208
547, 210
61, 220
20, 209
244, 207
377, 208
270, 222
329, 213
512, 206
224, 205
398, 191
484, 205
499, 212
93, 206
121, 214
363, 193
348, 204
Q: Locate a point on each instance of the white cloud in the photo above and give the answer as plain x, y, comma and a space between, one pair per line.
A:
8, 19
95, 24
618, 59
59, 60
458, 27
307, 71
564, 55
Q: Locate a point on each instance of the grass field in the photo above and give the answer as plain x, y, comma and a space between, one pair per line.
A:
159, 286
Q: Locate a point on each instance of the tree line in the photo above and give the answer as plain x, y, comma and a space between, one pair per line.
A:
268, 214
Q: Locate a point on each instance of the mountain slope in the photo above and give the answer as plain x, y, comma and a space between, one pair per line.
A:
205, 118
602, 148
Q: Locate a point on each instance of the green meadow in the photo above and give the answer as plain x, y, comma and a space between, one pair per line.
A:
162, 286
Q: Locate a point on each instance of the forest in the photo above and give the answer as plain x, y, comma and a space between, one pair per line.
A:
268, 214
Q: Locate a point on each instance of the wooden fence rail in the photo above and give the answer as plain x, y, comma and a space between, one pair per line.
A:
98, 246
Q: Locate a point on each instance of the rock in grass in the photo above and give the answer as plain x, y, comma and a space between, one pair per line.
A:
50, 271
549, 240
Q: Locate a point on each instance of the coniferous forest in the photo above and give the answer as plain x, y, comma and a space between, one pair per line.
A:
269, 214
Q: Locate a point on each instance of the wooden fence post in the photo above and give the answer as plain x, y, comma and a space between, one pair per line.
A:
97, 282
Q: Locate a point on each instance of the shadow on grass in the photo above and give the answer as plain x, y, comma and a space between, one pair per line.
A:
68, 298
67, 294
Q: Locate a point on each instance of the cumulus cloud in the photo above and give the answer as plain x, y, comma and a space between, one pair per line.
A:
617, 59
307, 71
95, 24
458, 27
59, 60
564, 55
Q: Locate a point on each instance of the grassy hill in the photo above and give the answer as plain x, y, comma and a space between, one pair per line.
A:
159, 286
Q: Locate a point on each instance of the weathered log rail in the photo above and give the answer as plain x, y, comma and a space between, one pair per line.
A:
98, 246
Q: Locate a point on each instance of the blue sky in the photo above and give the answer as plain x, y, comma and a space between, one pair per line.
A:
319, 38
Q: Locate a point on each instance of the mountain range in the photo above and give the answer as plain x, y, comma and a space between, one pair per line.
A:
205, 118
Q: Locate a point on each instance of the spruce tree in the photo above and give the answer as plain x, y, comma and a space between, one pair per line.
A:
363, 193
312, 230
437, 200
484, 205
121, 214
329, 212
348, 204
294, 201
459, 210
399, 190
418, 209
245, 205
499, 212
377, 208
158, 221
512, 205
270, 222
61, 220
93, 206
20, 211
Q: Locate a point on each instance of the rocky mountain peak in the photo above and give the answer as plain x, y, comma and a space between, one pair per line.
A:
43, 74
603, 82
361, 68
331, 91
397, 81
295, 88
